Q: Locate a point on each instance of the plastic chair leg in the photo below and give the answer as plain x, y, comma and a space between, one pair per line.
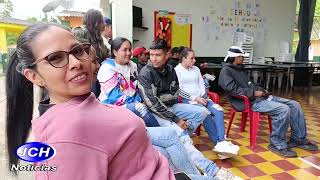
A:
232, 113
254, 124
243, 121
280, 76
268, 80
291, 79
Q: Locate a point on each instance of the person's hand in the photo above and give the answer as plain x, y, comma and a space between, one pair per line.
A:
259, 93
267, 93
202, 101
183, 124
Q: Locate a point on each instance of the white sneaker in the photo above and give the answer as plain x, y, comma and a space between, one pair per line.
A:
231, 144
222, 157
209, 77
226, 148
224, 174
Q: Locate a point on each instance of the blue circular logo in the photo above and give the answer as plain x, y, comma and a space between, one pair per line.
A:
35, 152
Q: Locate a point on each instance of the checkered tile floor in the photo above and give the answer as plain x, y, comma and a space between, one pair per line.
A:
260, 163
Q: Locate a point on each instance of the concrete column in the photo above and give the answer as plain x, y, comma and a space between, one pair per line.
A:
105, 8
121, 18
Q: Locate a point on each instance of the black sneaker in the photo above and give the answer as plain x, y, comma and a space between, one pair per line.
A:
306, 146
286, 152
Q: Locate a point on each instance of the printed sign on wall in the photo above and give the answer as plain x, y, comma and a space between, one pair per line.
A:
176, 29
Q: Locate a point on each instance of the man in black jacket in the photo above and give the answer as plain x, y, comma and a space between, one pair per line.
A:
284, 112
158, 84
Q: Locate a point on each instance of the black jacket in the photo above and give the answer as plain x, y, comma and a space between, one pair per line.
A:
234, 81
140, 66
159, 90
173, 62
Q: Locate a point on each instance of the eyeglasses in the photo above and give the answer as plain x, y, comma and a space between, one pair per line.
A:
60, 59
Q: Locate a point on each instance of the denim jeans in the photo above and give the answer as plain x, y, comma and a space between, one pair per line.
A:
214, 122
194, 116
283, 112
142, 111
206, 85
167, 142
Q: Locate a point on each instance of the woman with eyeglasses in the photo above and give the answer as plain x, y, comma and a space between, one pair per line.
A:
92, 141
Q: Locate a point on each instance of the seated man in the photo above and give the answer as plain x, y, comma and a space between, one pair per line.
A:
142, 54
159, 86
163, 139
234, 81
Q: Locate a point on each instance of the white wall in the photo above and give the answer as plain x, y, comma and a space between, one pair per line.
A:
278, 24
122, 18
105, 8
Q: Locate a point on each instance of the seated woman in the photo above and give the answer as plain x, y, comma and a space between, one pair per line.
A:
90, 32
192, 90
89, 143
166, 141
92, 141
118, 80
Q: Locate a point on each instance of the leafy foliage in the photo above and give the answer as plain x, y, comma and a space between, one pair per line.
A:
11, 38
32, 19
7, 9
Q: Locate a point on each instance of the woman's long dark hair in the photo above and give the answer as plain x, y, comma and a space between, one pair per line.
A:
117, 43
19, 91
91, 20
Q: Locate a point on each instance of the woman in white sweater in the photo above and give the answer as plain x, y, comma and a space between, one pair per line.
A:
192, 90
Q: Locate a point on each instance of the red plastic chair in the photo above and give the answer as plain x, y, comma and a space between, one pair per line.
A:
214, 97
254, 120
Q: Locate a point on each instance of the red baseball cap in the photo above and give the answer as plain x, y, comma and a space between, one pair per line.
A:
139, 50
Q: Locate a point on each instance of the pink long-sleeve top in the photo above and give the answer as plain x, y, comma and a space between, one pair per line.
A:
95, 141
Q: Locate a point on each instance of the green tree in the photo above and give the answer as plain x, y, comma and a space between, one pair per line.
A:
11, 38
7, 10
45, 18
53, 19
32, 19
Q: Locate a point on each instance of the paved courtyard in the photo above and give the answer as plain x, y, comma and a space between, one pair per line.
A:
253, 164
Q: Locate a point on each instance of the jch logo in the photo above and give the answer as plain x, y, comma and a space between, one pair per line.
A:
35, 152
